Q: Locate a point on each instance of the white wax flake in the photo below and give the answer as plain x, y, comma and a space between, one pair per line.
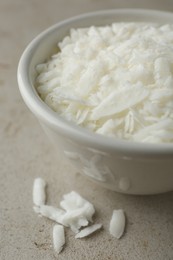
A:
39, 193
41, 68
119, 101
101, 74
162, 68
117, 223
51, 212
129, 122
74, 202
78, 211
107, 128
88, 231
75, 219
58, 238
154, 129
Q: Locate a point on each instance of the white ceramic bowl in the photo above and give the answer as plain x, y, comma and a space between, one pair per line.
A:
128, 167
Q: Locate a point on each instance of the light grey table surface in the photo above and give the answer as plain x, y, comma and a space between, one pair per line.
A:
26, 153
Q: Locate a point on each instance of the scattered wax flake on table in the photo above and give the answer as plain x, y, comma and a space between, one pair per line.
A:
39, 193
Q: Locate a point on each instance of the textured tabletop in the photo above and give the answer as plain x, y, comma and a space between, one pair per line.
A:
26, 153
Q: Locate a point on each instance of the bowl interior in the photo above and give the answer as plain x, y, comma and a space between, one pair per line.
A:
45, 44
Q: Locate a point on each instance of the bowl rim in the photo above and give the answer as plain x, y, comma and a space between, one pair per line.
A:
43, 112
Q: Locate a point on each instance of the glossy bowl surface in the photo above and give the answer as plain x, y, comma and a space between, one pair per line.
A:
128, 167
